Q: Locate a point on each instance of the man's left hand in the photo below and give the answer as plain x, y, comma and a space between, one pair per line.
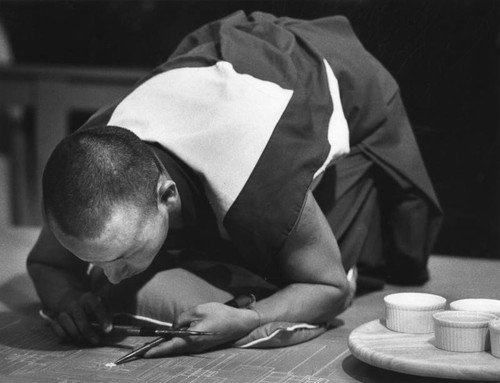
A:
228, 323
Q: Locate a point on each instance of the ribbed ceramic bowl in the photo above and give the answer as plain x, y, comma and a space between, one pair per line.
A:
462, 331
412, 312
491, 306
495, 337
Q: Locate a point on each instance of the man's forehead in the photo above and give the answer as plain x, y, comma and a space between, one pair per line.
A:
120, 235
101, 249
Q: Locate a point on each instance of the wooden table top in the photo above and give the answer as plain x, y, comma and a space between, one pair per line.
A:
416, 354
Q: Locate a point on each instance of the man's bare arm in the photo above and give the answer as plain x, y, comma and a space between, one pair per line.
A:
311, 263
317, 291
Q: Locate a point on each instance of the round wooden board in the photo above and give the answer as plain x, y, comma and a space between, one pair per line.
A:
415, 354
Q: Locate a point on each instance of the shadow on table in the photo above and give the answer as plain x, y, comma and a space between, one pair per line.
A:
18, 295
33, 333
28, 333
363, 372
21, 326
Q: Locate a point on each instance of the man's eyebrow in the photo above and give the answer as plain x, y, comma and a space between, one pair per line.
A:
125, 254
120, 256
108, 261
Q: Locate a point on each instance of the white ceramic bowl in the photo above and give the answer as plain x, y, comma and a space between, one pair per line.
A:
495, 337
462, 331
412, 312
491, 306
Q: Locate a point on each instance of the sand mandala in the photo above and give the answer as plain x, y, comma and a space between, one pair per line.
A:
29, 352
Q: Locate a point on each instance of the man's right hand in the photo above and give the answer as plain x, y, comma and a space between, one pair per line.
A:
81, 318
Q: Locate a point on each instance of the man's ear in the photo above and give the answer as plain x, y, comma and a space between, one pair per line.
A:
166, 191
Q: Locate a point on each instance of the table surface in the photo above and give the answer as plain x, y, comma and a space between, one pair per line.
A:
417, 354
29, 353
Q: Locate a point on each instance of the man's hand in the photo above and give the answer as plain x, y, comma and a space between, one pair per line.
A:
74, 317
227, 322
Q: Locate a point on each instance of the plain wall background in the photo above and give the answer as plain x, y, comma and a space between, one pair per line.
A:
444, 54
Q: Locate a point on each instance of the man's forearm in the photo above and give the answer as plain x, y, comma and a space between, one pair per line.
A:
56, 273
310, 303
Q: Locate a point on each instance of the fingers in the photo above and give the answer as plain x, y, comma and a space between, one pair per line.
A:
69, 327
74, 323
186, 319
199, 318
59, 331
95, 307
172, 347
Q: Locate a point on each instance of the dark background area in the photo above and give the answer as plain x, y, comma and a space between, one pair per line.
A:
443, 53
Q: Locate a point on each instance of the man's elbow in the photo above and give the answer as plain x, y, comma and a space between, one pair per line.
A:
32, 266
348, 291
30, 263
36, 265
340, 298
